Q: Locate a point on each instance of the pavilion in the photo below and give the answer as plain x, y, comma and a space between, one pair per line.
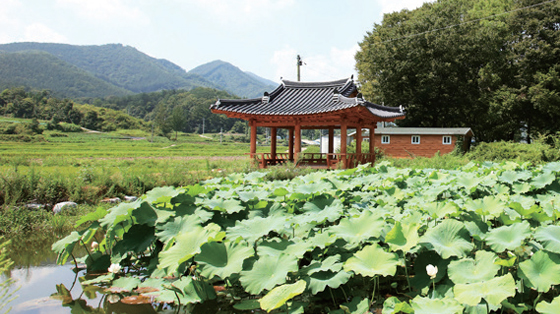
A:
311, 105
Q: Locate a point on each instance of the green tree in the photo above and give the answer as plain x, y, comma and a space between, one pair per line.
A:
465, 63
178, 120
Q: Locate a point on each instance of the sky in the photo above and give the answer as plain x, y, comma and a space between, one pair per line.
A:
260, 36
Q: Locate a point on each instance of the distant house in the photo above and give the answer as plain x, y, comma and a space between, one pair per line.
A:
426, 142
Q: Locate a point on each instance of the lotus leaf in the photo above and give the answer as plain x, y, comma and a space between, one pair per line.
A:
467, 270
119, 213
250, 195
268, 272
222, 259
162, 194
494, 291
331, 263
421, 279
359, 229
319, 280
228, 206
252, 229
137, 239
469, 182
549, 236
449, 238
65, 246
402, 237
489, 206
99, 213
549, 308
274, 247
356, 306
280, 295
247, 305
193, 291
176, 226
394, 306
441, 210
430, 306
371, 261
126, 283
542, 180
541, 271
508, 237
187, 245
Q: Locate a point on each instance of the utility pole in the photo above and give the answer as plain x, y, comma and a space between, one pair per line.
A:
299, 63
202, 126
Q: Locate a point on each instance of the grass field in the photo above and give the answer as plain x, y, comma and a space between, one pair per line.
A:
87, 167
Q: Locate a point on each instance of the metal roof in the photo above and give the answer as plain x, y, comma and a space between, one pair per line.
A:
303, 98
424, 131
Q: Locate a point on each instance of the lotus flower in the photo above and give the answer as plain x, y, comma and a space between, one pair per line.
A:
114, 268
94, 245
431, 270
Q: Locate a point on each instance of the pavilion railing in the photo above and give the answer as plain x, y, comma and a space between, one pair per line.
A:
331, 161
266, 159
347, 161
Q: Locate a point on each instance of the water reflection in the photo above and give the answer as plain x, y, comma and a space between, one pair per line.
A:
47, 288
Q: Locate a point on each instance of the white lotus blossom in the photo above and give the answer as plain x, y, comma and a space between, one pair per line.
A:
94, 245
431, 270
113, 298
114, 268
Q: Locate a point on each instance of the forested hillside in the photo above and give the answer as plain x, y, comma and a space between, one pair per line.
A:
123, 66
492, 65
233, 80
123, 69
44, 71
170, 111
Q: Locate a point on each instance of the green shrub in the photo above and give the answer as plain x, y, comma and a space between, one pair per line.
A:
69, 127
535, 153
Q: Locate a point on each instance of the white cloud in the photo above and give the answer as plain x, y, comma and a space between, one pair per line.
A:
41, 33
228, 10
388, 6
106, 10
9, 22
338, 64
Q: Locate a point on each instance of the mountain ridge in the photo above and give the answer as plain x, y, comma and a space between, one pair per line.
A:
119, 69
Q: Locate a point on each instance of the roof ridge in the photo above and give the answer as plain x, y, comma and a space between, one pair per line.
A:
295, 84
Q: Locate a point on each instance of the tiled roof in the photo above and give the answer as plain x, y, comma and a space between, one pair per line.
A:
424, 131
302, 98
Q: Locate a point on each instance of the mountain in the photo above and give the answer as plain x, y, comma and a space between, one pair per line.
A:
234, 80
42, 70
99, 71
121, 66
262, 80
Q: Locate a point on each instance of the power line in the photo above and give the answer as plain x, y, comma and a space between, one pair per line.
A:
469, 21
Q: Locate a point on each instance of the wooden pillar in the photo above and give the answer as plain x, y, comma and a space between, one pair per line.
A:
273, 143
253, 126
331, 141
291, 144
298, 140
372, 143
359, 139
343, 145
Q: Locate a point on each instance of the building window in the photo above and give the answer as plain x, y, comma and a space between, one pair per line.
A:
415, 139
385, 139
447, 140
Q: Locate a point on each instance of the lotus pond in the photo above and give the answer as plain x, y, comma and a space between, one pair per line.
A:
481, 239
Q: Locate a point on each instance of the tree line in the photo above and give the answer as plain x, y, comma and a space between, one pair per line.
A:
169, 111
492, 65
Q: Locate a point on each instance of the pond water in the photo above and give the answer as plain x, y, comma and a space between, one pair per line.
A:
41, 286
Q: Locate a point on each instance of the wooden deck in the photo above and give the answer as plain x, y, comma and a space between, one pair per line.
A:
315, 160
